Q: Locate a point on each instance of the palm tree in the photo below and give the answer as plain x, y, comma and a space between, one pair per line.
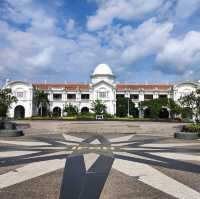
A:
41, 100
98, 107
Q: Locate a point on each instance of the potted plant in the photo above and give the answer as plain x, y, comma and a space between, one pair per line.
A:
191, 131
7, 128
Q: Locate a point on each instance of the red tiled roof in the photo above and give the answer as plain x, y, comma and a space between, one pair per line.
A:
71, 86
120, 87
82, 87
123, 87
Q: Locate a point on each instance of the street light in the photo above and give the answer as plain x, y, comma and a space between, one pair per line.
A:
128, 108
127, 95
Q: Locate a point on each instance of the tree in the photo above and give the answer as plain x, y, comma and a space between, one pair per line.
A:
41, 101
156, 105
192, 101
122, 107
71, 110
175, 109
187, 113
6, 99
133, 110
98, 107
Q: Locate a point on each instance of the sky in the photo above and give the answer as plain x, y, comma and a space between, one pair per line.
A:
143, 41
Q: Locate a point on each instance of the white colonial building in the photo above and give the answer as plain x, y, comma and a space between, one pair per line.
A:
102, 86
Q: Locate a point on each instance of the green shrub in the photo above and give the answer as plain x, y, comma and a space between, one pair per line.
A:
3, 110
191, 128
121, 107
109, 116
187, 113
71, 110
43, 118
6, 99
69, 118
98, 107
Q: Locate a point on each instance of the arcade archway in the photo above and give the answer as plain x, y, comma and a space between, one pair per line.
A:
19, 112
164, 113
57, 111
85, 110
134, 112
147, 113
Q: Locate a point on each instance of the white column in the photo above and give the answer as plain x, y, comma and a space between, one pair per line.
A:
141, 96
155, 95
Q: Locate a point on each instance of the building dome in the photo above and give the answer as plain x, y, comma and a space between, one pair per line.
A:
102, 69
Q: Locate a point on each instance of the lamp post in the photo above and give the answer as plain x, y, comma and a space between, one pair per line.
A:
128, 108
169, 108
127, 95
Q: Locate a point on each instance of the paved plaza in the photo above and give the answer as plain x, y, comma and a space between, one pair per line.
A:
120, 160
102, 127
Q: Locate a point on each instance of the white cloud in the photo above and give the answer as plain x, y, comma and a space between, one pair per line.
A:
129, 44
185, 8
41, 59
43, 48
19, 3
17, 10
25, 12
70, 25
121, 9
8, 58
149, 38
29, 53
32, 49
181, 55
129, 10
117, 46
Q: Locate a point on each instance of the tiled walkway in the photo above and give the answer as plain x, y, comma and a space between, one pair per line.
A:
131, 166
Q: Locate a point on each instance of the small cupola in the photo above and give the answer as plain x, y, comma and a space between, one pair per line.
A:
102, 72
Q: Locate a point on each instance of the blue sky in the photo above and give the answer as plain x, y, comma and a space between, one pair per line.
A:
63, 40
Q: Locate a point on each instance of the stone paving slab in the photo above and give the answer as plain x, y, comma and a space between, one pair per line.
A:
143, 167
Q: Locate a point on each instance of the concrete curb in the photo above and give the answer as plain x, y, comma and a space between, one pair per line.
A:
11, 133
186, 135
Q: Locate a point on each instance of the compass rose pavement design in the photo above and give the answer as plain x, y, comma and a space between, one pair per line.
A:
170, 169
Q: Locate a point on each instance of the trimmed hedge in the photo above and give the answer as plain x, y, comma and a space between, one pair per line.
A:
107, 117
49, 118
86, 116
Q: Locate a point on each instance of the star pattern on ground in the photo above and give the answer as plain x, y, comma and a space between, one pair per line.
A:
132, 156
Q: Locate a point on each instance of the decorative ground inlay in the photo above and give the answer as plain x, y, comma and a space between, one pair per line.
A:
88, 161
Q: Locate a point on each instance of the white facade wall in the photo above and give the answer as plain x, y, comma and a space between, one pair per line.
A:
24, 92
184, 89
102, 87
109, 100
